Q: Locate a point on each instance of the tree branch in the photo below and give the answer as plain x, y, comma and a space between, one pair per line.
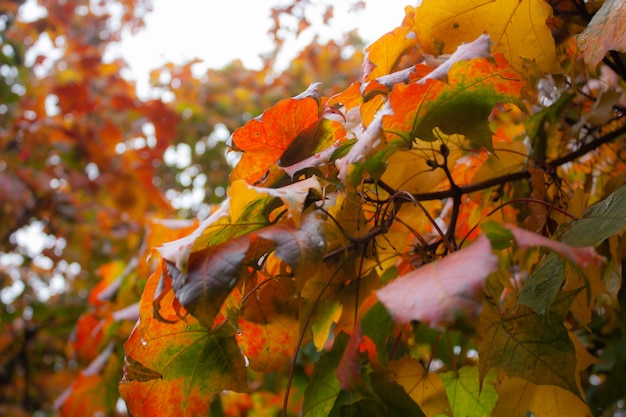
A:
516, 176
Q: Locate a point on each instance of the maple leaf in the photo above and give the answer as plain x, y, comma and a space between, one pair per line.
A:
212, 273
320, 394
424, 387
604, 32
465, 394
517, 397
369, 336
517, 27
91, 393
294, 195
267, 321
461, 106
264, 139
442, 293
531, 346
601, 221
160, 357
383, 55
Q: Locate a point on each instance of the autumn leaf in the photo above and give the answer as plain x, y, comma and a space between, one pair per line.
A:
442, 293
465, 394
601, 221
369, 337
424, 387
517, 397
264, 139
92, 393
323, 389
328, 131
461, 106
517, 28
212, 273
294, 195
528, 345
384, 55
160, 357
605, 32
269, 315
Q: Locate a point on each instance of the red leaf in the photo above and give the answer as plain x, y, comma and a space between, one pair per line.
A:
442, 293
580, 256
264, 139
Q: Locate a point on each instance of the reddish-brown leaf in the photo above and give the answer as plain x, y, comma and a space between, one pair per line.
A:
444, 292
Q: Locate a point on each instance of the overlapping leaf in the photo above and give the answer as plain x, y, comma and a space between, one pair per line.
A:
461, 106
384, 55
527, 345
442, 293
601, 221
268, 318
264, 139
466, 395
517, 397
160, 356
605, 32
424, 387
212, 273
518, 28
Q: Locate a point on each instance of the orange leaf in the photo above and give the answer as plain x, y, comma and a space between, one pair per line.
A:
165, 361
384, 55
264, 139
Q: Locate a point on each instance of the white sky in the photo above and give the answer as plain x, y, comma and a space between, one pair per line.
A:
219, 32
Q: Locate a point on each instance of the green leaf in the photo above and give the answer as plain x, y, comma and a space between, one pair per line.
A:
530, 346
377, 324
543, 284
461, 106
395, 398
323, 388
499, 236
601, 221
465, 394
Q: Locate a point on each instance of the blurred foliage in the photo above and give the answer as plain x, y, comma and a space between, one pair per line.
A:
87, 169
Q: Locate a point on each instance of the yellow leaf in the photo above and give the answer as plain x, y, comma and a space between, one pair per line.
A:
517, 28
425, 388
408, 170
511, 156
584, 359
384, 55
517, 397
